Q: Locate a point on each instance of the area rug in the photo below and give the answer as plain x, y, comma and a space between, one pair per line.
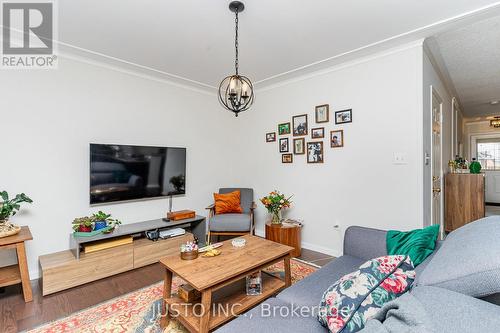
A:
139, 311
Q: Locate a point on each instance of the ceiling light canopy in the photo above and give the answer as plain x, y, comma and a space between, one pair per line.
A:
236, 91
495, 122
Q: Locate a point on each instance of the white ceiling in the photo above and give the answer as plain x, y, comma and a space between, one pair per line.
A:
472, 58
193, 39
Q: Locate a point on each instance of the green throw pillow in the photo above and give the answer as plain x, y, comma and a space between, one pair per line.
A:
418, 244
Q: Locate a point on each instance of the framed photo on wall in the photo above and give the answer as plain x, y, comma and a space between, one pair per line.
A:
299, 125
284, 145
318, 133
271, 137
299, 146
284, 129
287, 158
337, 139
322, 113
315, 152
343, 117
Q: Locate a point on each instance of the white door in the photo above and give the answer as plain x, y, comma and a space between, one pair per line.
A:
437, 161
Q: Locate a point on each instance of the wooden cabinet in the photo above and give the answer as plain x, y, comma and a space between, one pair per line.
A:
464, 199
62, 270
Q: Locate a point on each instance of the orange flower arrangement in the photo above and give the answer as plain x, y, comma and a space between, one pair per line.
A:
275, 202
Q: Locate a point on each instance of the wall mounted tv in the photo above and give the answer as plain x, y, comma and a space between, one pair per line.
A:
119, 172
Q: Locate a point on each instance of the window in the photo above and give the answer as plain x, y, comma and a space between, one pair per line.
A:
488, 153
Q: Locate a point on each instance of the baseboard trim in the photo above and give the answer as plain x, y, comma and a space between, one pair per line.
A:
309, 246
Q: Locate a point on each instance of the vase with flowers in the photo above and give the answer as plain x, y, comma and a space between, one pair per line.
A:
275, 202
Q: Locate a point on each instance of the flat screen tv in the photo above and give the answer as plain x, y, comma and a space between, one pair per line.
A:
119, 172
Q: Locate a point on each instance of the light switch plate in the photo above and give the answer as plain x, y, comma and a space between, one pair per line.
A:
400, 158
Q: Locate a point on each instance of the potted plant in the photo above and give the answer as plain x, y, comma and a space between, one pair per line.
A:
83, 224
8, 208
100, 220
275, 202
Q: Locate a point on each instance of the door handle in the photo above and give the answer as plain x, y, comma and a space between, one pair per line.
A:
436, 190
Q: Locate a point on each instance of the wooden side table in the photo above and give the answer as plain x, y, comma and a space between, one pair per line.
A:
17, 273
286, 234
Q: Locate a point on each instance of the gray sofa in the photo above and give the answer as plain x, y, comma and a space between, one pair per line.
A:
431, 305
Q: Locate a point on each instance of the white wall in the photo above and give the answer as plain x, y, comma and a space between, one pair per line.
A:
358, 184
48, 118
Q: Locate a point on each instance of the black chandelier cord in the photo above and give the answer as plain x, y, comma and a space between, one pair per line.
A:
236, 64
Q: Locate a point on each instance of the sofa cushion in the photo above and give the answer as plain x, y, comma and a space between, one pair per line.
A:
420, 268
308, 291
468, 260
430, 309
230, 222
356, 297
467, 314
418, 243
275, 315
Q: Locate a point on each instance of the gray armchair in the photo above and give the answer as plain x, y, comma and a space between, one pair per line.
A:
233, 224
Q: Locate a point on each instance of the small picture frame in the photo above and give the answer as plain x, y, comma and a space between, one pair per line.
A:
271, 137
337, 139
299, 146
287, 158
315, 152
318, 133
299, 124
322, 113
284, 148
343, 116
284, 129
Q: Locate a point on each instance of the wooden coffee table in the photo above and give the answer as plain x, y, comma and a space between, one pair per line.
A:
219, 281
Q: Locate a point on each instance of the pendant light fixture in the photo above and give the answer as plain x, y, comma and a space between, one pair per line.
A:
236, 91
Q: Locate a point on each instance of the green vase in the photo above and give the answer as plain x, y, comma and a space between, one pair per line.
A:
475, 166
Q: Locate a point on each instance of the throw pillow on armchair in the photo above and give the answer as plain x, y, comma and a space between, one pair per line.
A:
228, 203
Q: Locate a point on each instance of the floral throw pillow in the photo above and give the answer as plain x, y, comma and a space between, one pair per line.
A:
356, 297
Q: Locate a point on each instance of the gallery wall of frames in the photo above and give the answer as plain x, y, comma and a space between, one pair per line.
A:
310, 136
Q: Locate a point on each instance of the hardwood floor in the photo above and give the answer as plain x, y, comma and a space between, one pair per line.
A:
18, 315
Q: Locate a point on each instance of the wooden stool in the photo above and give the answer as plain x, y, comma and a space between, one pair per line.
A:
17, 273
285, 234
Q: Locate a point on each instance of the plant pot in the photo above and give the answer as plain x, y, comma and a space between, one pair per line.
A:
83, 228
100, 225
7, 229
189, 255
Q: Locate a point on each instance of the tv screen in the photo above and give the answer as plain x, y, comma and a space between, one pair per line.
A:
119, 172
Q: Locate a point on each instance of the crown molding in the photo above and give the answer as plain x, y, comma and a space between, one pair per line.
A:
388, 43
69, 51
431, 49
75, 53
345, 64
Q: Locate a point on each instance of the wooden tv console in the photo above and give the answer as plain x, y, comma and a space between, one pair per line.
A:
70, 268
